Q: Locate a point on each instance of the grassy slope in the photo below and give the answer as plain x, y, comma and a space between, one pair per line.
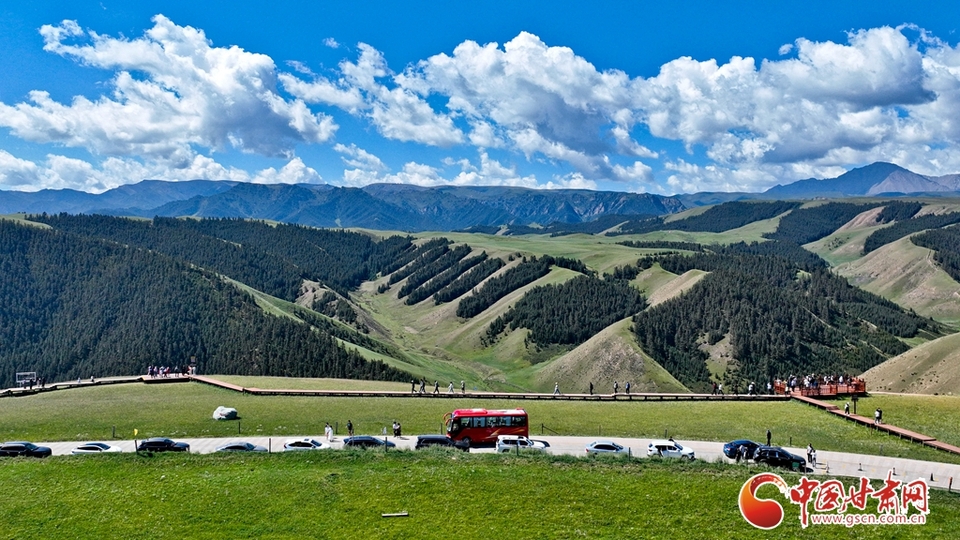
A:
183, 410
932, 367
343, 494
907, 274
612, 355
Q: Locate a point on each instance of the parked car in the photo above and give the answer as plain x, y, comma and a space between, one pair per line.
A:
96, 448
778, 457
366, 441
305, 444
670, 448
518, 443
606, 447
442, 441
162, 444
23, 448
749, 447
241, 447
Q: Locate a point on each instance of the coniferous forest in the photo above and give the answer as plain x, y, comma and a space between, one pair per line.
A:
85, 296
73, 306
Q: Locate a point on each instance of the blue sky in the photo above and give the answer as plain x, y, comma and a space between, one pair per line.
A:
629, 96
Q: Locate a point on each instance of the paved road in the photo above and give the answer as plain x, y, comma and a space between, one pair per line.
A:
828, 463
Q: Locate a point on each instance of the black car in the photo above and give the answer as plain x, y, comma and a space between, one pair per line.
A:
441, 441
366, 441
162, 444
23, 448
749, 448
778, 457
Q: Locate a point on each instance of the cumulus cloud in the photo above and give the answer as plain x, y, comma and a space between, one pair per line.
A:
359, 158
368, 87
745, 124
294, 172
172, 90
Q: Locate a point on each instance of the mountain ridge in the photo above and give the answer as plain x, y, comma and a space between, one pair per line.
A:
412, 208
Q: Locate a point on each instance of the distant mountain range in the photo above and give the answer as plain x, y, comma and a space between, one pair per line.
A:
413, 208
874, 179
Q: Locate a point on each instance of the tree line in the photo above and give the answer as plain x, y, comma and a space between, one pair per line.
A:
72, 306
898, 230
946, 246
571, 312
782, 317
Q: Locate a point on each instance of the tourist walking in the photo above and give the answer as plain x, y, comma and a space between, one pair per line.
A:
556, 388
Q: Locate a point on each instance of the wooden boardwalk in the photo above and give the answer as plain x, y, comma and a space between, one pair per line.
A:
621, 397
900, 432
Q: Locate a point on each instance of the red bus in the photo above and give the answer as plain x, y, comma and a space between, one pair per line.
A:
484, 426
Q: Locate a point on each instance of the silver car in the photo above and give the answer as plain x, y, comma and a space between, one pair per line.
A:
606, 447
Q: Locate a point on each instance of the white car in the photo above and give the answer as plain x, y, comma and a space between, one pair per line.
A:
96, 448
670, 448
606, 447
515, 443
305, 444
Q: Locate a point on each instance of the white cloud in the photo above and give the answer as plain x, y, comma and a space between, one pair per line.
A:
172, 90
19, 173
397, 112
359, 158
294, 172
330, 42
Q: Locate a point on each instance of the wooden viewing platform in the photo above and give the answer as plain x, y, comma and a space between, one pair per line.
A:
856, 387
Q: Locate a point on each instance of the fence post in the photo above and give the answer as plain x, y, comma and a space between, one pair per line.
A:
114, 432
541, 430
238, 427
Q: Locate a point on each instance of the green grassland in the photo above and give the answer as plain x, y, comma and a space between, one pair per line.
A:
936, 416
343, 494
184, 410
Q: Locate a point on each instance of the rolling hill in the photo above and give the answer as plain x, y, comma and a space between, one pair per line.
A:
732, 295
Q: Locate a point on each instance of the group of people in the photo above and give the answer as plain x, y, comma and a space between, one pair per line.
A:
814, 380
39, 382
436, 387
165, 371
396, 429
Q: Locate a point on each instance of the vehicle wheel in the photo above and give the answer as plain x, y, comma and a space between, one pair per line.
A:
467, 441
690, 458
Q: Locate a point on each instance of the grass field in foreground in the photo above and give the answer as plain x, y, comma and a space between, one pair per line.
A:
447, 495
936, 416
185, 409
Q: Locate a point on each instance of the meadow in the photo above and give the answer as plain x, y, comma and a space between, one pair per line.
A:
343, 494
184, 410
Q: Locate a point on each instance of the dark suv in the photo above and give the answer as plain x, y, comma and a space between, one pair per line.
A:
778, 457
23, 448
442, 441
161, 444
